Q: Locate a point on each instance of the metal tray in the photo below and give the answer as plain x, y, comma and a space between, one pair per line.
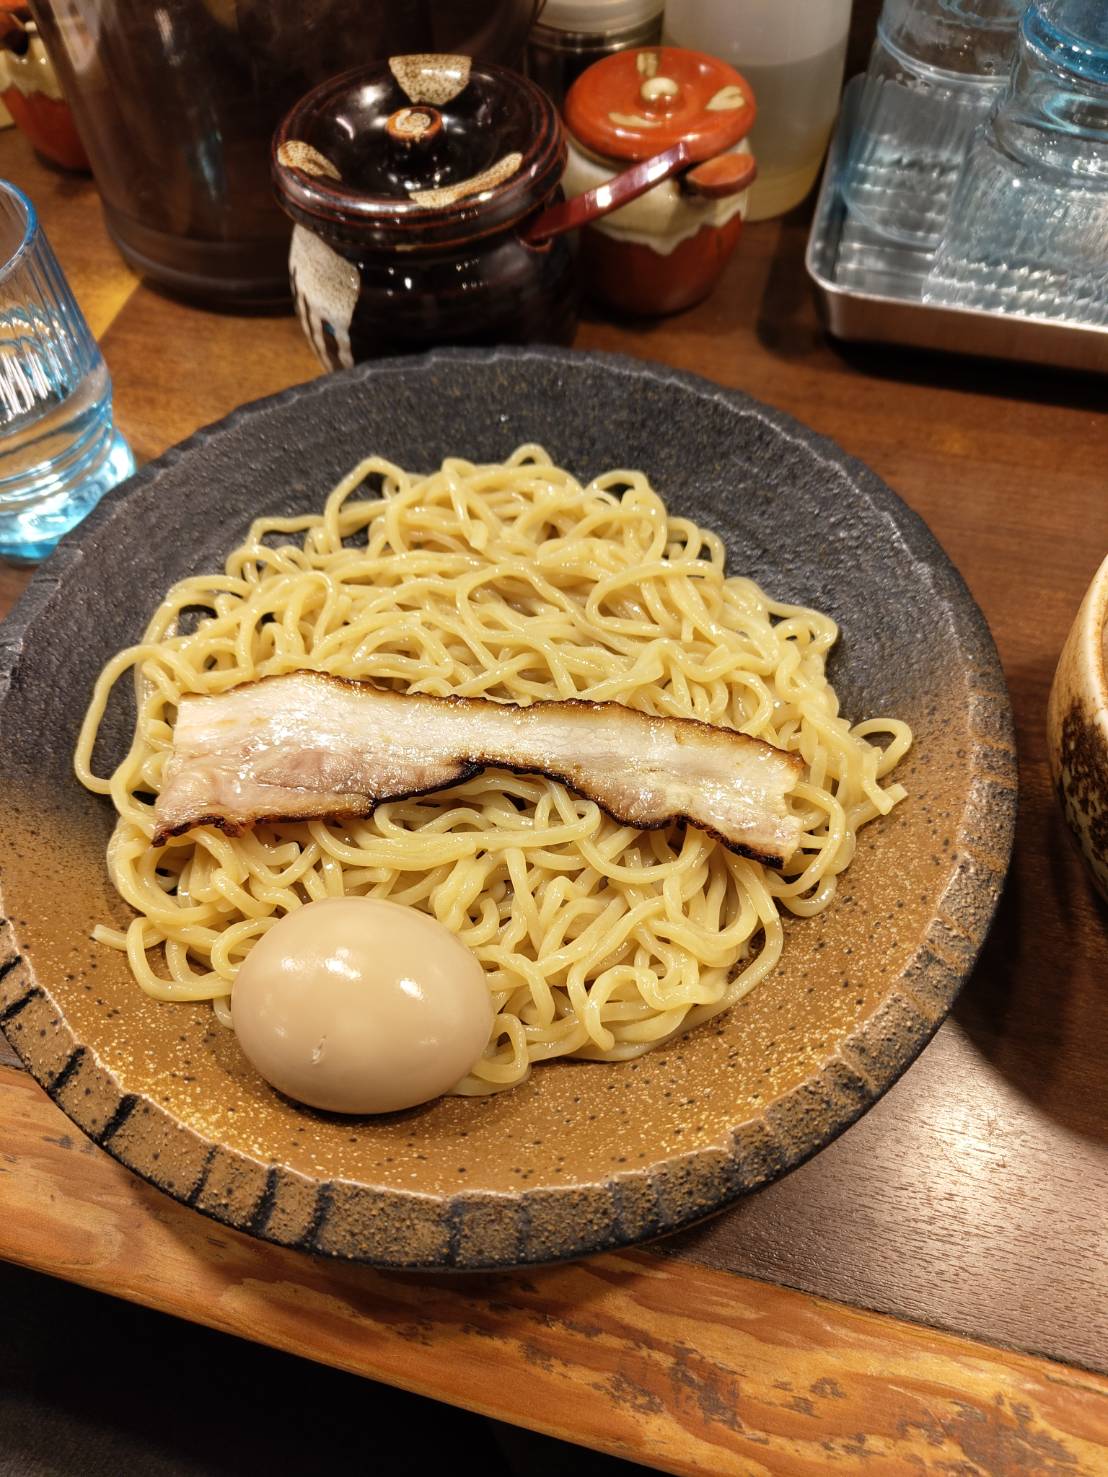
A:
869, 289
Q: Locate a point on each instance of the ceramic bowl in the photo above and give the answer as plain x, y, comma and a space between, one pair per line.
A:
1077, 728
585, 1155
411, 183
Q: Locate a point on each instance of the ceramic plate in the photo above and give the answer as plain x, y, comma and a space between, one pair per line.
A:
584, 1155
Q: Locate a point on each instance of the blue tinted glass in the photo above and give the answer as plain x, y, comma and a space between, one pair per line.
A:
60, 450
1072, 33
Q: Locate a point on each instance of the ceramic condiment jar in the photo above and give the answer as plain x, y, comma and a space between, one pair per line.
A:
29, 90
412, 183
665, 251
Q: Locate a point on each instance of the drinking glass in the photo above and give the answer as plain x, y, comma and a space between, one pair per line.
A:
936, 69
59, 448
1028, 231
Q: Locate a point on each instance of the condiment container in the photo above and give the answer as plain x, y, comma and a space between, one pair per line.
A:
428, 208
30, 92
666, 250
572, 34
792, 53
411, 183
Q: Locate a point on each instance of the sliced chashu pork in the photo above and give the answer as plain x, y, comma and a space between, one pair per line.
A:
308, 745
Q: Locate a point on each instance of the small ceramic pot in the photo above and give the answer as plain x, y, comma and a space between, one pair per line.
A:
666, 250
412, 184
29, 90
1077, 728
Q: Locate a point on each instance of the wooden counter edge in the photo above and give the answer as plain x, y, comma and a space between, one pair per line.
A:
685, 1368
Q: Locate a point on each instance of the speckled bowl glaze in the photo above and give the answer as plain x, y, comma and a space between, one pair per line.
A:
1077, 728
585, 1155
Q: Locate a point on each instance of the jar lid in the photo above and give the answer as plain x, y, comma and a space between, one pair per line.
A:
418, 151
598, 17
634, 104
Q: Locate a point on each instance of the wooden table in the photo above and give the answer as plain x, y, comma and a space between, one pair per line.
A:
930, 1293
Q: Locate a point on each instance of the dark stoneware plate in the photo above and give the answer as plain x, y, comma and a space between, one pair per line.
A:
585, 1155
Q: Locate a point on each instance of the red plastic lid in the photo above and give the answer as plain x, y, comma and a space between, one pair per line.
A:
635, 104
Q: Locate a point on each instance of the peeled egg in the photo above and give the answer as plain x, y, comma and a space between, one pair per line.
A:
361, 1006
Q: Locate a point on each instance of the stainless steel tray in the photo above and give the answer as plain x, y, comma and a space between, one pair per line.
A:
869, 289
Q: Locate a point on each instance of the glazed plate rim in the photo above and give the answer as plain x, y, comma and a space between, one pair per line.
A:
760, 1150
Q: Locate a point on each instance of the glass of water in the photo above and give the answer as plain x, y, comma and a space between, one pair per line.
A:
59, 447
936, 69
1028, 229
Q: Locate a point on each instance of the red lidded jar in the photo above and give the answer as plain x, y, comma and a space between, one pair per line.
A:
665, 250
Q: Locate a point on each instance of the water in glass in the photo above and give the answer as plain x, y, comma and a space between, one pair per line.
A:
59, 447
936, 68
1029, 227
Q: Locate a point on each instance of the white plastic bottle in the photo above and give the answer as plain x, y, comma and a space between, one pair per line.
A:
792, 53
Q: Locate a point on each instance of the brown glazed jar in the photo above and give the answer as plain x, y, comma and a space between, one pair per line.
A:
411, 184
30, 92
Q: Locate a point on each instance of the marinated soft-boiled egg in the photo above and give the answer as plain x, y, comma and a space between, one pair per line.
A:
361, 1006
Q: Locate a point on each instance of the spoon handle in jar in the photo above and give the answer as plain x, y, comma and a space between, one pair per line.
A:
609, 196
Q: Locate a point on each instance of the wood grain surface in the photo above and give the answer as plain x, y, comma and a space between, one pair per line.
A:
698, 1373
975, 1196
